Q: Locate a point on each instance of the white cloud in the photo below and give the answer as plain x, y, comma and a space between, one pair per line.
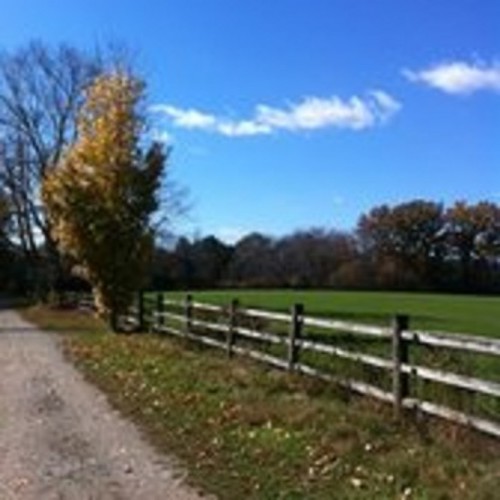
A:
185, 118
242, 128
312, 113
315, 113
459, 77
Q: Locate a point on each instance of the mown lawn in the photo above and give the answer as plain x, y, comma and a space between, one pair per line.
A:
243, 430
453, 313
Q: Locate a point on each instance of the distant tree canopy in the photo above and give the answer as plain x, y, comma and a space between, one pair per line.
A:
101, 196
417, 245
473, 241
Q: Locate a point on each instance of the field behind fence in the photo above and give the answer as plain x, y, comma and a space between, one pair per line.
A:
449, 375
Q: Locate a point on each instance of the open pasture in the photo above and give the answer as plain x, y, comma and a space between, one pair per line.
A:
451, 313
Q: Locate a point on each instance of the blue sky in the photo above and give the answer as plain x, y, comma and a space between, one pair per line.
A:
288, 114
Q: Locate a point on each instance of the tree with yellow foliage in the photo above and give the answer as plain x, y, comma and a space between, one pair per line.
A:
102, 195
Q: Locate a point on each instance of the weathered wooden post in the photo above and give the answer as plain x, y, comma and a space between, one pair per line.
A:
232, 324
160, 319
297, 321
400, 380
188, 313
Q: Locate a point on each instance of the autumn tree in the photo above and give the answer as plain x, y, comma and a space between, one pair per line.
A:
473, 236
102, 195
405, 241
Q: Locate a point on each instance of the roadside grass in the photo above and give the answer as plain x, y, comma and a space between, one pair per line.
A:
455, 313
242, 429
444, 310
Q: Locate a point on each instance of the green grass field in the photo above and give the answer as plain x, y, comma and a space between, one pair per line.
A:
452, 313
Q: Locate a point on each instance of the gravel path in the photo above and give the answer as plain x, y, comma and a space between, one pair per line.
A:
60, 439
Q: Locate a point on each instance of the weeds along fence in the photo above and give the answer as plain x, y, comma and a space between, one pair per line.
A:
448, 375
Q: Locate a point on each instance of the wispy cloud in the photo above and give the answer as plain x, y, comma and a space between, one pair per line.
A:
186, 118
459, 77
312, 113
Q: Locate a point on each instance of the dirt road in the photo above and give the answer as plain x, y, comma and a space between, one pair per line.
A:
60, 439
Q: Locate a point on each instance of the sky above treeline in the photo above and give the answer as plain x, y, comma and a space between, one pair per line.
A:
290, 114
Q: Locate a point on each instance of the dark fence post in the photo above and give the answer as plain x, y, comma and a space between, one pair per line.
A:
232, 325
160, 319
188, 313
140, 311
400, 380
296, 324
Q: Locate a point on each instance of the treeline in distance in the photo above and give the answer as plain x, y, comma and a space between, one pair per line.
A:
418, 245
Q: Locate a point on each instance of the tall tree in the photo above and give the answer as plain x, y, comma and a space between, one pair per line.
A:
406, 241
101, 197
41, 90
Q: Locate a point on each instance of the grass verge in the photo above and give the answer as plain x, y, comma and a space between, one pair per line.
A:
241, 429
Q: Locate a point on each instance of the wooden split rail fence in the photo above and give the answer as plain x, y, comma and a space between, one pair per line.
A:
188, 319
